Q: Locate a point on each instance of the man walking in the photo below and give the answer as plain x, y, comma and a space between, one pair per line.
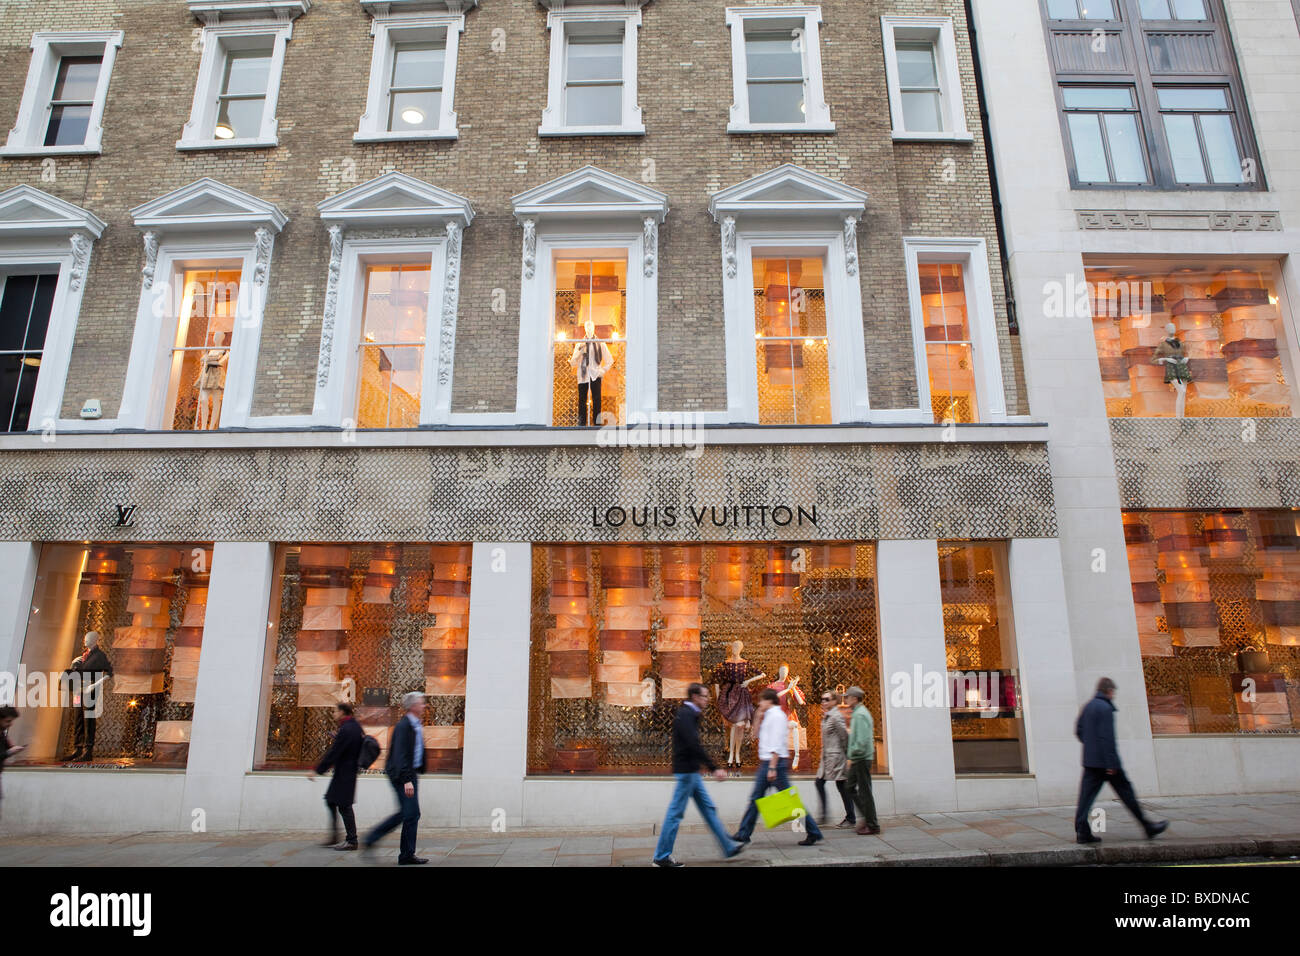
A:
687, 757
92, 669
343, 756
405, 763
773, 767
1096, 730
861, 752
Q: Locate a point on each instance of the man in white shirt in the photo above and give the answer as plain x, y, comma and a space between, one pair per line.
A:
773, 767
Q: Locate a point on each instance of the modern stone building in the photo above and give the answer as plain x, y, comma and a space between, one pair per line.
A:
569, 344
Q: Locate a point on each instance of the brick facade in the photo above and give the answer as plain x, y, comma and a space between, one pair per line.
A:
685, 95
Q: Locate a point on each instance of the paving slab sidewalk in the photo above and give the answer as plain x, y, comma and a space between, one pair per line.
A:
1200, 828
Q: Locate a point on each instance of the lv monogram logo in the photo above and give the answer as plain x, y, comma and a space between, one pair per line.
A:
124, 519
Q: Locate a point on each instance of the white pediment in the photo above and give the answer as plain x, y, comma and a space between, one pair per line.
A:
590, 193
225, 11
788, 190
387, 8
395, 199
206, 205
28, 211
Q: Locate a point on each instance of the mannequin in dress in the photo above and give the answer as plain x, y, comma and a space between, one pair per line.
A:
731, 680
211, 382
590, 361
1171, 354
789, 694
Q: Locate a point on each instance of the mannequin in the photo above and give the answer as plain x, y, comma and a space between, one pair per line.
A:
590, 361
94, 668
1171, 354
211, 381
731, 680
789, 694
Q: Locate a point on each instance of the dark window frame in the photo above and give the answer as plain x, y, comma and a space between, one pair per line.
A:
1131, 30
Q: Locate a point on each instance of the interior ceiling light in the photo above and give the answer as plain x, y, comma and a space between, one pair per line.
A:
224, 132
412, 115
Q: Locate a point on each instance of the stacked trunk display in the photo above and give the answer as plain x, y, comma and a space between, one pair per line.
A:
625, 581
446, 644
567, 643
326, 617
140, 650
678, 643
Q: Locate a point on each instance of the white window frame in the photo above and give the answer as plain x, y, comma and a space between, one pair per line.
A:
972, 255
40, 233
817, 114
176, 239
218, 39
937, 31
402, 27
558, 21
27, 138
393, 200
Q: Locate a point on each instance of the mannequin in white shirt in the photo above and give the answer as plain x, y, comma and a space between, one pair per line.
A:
590, 361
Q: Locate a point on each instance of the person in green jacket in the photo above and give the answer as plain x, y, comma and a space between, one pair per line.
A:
861, 751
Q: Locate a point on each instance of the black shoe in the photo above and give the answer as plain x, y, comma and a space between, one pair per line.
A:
738, 849
668, 861
73, 757
740, 839
328, 844
412, 861
1090, 838
345, 845
1157, 828
810, 840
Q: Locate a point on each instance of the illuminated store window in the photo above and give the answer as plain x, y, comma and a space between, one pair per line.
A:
25, 303
129, 697
1227, 355
1217, 598
590, 340
620, 631
949, 348
988, 726
366, 623
392, 345
201, 354
790, 336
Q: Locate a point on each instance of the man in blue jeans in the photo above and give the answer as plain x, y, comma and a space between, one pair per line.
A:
687, 757
405, 764
773, 767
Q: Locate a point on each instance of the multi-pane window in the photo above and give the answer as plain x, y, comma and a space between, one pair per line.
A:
774, 65
415, 88
791, 340
25, 304
919, 89
201, 353
949, 347
1152, 97
72, 100
1104, 134
589, 362
242, 99
593, 78
1202, 142
392, 345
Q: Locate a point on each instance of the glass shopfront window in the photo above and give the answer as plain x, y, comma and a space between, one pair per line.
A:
988, 726
620, 631
201, 354
590, 340
1217, 597
790, 331
949, 346
366, 623
110, 662
1226, 355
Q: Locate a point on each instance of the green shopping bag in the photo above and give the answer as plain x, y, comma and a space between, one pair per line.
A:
781, 807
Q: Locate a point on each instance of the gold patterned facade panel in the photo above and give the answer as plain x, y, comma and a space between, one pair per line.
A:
709, 492
1207, 463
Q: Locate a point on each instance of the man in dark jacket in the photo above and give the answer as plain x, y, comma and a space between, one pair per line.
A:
405, 764
92, 669
341, 793
1096, 729
688, 755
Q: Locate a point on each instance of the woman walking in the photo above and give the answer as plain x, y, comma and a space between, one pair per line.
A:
835, 742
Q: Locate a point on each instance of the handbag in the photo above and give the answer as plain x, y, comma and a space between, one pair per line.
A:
780, 807
1251, 660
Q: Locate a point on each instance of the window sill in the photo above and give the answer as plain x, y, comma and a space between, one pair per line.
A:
226, 144
591, 131
941, 137
86, 149
780, 128
450, 134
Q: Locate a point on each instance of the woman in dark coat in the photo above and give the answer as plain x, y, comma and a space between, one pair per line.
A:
339, 797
